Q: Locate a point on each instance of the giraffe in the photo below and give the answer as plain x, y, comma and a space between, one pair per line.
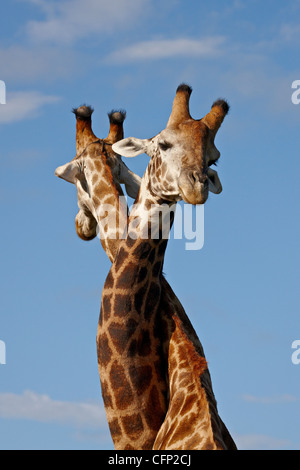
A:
174, 323
97, 172
133, 300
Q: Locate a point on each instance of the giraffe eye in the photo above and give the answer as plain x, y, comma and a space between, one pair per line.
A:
165, 146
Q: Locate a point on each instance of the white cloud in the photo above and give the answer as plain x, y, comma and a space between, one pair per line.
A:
270, 400
24, 105
165, 48
260, 442
24, 63
290, 32
69, 20
42, 408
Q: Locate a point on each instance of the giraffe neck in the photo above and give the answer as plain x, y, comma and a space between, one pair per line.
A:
192, 421
151, 218
104, 201
189, 407
133, 364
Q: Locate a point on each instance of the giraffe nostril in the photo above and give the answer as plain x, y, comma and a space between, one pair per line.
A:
196, 177
193, 177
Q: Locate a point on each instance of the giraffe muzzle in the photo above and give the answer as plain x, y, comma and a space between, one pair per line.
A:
86, 226
193, 187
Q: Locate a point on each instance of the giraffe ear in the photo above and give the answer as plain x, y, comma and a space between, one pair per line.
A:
130, 147
214, 183
68, 172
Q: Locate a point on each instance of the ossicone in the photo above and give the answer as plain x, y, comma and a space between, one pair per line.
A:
84, 112
117, 116
215, 117
180, 110
116, 132
185, 88
223, 104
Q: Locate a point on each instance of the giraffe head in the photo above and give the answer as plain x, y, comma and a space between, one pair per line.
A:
96, 171
182, 154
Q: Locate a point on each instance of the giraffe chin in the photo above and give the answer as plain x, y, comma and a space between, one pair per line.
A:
194, 199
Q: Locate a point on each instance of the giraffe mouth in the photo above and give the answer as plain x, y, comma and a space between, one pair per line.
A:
86, 226
194, 198
194, 187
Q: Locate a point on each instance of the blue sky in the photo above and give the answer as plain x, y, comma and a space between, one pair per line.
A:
241, 291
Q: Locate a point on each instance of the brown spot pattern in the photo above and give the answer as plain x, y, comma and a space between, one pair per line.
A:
140, 378
122, 389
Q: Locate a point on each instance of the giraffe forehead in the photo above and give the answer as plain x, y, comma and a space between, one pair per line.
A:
190, 134
193, 133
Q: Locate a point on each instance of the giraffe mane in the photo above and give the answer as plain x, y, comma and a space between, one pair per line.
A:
197, 362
